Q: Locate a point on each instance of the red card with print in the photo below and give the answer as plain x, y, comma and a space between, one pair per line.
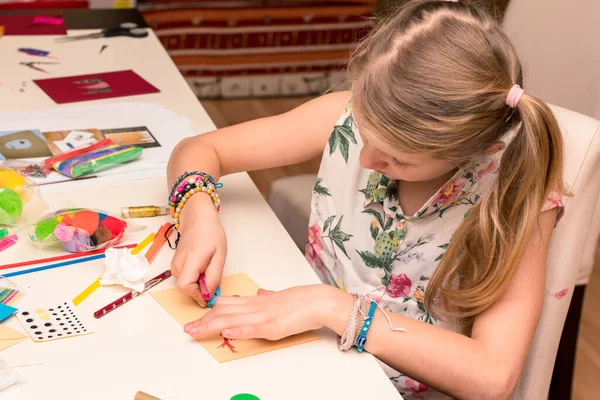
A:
104, 85
30, 24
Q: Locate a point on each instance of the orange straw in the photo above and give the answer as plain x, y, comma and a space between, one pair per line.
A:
159, 241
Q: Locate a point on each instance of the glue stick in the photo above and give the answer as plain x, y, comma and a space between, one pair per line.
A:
143, 211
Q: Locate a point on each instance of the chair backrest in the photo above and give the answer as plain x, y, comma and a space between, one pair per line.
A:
574, 236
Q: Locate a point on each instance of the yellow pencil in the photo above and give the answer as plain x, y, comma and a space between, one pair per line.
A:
143, 243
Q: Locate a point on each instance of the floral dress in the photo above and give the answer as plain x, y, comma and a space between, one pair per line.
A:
359, 238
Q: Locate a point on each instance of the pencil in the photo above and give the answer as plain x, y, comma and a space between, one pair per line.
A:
132, 295
60, 258
52, 266
159, 241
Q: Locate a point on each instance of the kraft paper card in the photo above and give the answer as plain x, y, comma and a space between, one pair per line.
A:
10, 337
184, 309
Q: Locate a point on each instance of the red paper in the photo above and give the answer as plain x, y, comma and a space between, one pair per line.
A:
104, 85
31, 24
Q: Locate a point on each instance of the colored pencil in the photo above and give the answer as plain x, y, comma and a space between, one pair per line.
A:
132, 295
159, 241
60, 258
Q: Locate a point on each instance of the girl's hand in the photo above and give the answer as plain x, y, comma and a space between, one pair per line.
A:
202, 248
269, 315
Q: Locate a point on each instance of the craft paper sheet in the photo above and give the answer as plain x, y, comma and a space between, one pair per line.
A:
104, 85
9, 337
185, 309
30, 24
58, 322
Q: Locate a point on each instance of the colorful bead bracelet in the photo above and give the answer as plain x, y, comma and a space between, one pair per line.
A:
362, 336
181, 177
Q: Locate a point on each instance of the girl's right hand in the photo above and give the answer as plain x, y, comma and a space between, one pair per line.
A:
202, 248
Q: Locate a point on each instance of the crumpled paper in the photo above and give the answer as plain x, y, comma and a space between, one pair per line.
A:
123, 268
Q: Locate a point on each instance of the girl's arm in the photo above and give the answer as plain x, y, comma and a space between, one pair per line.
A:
289, 138
486, 365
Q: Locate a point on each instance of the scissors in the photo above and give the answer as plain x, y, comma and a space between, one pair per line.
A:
32, 65
130, 29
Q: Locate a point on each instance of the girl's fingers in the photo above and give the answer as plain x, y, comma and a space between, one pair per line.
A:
221, 323
252, 331
213, 273
188, 279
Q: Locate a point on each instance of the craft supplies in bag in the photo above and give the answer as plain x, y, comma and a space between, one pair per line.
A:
79, 230
9, 291
20, 201
97, 160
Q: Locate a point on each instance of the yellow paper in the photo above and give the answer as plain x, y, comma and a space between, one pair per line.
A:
10, 337
185, 309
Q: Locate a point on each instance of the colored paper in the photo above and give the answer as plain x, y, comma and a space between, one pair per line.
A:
184, 309
105, 85
9, 337
6, 311
29, 24
22, 145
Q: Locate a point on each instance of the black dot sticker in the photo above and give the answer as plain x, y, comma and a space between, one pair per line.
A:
76, 331
54, 314
49, 337
29, 320
25, 313
33, 326
38, 333
68, 333
85, 330
39, 337
60, 334
51, 309
58, 319
64, 329
47, 324
52, 330
59, 307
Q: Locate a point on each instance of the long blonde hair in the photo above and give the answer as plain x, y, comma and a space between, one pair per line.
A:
433, 78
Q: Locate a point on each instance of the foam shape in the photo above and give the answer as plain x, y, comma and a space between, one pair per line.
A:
87, 220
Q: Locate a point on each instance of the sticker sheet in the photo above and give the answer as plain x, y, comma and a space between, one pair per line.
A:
58, 322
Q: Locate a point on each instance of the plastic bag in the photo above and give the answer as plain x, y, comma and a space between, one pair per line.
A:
95, 159
9, 291
80, 229
20, 200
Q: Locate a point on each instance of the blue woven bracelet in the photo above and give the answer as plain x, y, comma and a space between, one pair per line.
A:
362, 336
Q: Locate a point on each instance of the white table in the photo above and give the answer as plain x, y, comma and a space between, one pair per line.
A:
139, 346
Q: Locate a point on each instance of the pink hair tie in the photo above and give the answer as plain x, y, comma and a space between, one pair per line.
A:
512, 100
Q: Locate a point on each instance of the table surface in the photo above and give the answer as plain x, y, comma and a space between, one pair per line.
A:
139, 346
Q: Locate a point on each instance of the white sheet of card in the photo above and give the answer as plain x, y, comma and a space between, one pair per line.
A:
59, 322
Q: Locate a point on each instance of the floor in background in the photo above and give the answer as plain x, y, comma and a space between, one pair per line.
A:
586, 384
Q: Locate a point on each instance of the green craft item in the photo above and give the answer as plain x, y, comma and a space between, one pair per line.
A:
3, 233
11, 206
45, 228
106, 162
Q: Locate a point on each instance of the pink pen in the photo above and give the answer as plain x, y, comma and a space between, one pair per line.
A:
8, 241
203, 288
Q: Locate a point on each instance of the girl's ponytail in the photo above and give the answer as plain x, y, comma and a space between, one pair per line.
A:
486, 250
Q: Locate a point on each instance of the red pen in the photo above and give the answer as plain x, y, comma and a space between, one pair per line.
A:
203, 288
132, 295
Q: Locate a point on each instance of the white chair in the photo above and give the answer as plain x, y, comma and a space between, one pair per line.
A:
572, 251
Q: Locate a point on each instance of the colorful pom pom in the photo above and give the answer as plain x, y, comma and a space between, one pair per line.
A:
46, 228
87, 220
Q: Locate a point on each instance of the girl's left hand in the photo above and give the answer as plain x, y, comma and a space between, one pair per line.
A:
269, 315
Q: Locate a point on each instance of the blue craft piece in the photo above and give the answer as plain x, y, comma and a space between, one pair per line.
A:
6, 311
211, 302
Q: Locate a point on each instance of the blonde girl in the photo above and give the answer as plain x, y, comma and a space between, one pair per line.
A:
439, 188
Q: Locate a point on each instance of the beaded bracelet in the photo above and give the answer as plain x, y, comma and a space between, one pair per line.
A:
362, 337
198, 187
188, 184
181, 177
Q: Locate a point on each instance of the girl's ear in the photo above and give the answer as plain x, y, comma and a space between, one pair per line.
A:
494, 148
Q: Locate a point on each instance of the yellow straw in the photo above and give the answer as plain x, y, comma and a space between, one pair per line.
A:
87, 291
143, 243
96, 284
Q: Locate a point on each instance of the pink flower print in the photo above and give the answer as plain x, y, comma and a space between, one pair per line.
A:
314, 237
399, 285
487, 169
554, 200
560, 294
400, 225
314, 259
415, 386
448, 193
